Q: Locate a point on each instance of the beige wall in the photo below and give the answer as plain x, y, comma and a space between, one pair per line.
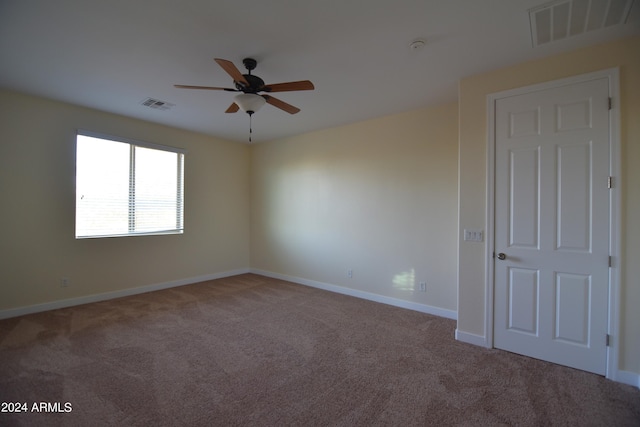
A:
37, 179
472, 198
377, 197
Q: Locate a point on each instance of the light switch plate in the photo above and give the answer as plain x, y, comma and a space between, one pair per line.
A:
473, 235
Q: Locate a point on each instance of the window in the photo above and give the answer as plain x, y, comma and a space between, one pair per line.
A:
127, 187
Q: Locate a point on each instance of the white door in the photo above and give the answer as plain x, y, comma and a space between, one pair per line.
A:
552, 224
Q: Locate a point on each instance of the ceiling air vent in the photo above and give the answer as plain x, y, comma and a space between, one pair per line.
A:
560, 19
156, 104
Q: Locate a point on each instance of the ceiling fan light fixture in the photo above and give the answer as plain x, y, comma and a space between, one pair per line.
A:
249, 102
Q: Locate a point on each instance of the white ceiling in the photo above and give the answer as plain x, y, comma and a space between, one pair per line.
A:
111, 55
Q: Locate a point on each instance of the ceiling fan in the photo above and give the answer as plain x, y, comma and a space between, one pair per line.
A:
249, 100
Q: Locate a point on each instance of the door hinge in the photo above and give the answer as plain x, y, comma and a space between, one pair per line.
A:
608, 340
610, 182
610, 103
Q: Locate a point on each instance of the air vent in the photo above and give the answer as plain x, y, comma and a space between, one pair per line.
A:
560, 19
156, 104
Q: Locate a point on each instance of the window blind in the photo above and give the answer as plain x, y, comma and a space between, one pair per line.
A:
127, 188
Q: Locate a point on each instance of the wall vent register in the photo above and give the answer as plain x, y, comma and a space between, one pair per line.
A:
157, 104
560, 19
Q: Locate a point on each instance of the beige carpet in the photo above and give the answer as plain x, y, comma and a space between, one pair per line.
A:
249, 350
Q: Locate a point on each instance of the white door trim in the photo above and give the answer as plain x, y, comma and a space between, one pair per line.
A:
613, 76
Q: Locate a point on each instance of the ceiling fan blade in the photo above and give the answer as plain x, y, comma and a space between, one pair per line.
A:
281, 104
205, 87
289, 86
233, 108
232, 70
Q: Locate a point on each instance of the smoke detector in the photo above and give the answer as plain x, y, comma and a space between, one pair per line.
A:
417, 44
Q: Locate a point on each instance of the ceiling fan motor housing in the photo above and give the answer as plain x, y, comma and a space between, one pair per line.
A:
256, 84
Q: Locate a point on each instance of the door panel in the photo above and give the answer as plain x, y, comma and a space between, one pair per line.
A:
552, 222
523, 207
572, 319
574, 197
523, 301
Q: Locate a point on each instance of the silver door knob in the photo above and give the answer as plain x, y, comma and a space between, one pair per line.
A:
502, 256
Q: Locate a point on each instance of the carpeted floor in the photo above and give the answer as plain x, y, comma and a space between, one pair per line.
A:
250, 350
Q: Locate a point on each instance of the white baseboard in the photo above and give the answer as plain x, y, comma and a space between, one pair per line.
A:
423, 308
21, 311
469, 338
626, 377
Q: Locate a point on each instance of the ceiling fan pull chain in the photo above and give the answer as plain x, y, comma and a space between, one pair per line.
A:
250, 129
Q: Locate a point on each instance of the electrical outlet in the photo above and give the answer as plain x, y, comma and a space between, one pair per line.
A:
423, 286
350, 274
64, 282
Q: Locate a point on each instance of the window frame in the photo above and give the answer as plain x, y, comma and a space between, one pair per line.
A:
132, 144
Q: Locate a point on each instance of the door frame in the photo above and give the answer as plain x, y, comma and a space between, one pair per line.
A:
613, 77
